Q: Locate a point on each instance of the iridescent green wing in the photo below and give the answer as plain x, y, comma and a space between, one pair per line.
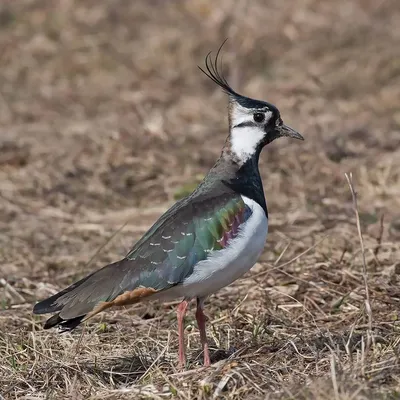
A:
168, 256
188, 233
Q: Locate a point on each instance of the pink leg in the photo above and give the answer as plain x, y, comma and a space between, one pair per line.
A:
201, 322
181, 315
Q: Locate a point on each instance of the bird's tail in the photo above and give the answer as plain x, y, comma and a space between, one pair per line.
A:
64, 325
116, 284
52, 304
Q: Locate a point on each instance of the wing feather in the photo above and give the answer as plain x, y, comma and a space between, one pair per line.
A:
163, 258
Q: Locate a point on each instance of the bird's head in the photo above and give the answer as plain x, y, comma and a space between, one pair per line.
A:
252, 123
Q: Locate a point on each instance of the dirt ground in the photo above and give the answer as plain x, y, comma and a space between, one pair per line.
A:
105, 121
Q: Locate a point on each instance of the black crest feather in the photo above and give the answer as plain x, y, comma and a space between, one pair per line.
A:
213, 71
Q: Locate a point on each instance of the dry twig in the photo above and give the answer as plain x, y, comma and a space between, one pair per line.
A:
368, 308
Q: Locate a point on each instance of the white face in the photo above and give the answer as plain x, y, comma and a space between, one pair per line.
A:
246, 131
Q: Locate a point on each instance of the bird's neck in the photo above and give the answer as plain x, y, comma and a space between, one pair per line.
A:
241, 176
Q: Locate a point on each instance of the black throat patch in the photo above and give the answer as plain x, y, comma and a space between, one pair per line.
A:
247, 181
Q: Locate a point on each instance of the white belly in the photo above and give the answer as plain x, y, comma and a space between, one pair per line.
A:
227, 265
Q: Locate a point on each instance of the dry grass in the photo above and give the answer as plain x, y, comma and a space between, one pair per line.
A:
105, 120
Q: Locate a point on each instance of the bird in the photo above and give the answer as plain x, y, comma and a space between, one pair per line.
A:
203, 243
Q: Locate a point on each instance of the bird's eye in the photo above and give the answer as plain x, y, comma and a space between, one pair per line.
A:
258, 117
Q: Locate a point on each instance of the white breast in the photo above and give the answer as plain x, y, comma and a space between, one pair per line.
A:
227, 265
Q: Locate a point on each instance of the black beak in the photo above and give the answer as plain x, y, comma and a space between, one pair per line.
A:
285, 130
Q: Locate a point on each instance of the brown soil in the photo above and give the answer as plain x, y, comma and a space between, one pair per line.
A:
105, 121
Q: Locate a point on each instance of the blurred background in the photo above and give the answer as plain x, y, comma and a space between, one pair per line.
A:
105, 121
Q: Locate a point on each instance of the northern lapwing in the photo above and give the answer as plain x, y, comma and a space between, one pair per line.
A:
202, 243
